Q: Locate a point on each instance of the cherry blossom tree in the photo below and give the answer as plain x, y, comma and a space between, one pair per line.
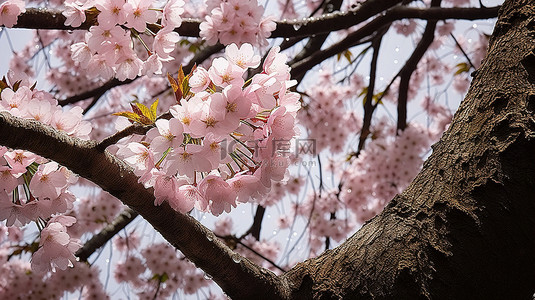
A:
180, 112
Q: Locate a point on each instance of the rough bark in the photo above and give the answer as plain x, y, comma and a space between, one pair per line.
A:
465, 227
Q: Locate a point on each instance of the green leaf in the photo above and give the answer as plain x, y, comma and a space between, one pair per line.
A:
161, 278
176, 88
143, 112
129, 115
153, 108
462, 68
363, 92
348, 55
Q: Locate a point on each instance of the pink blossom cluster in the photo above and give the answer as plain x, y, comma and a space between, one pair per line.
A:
56, 247
236, 21
19, 282
383, 169
258, 251
281, 189
9, 12
93, 212
220, 145
320, 208
108, 50
158, 271
34, 189
28, 103
330, 128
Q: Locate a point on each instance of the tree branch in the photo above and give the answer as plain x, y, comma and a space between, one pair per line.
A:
94, 93
368, 104
352, 39
242, 280
100, 239
410, 66
38, 18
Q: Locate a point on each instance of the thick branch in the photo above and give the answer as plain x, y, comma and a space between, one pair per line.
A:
43, 18
243, 280
100, 239
53, 19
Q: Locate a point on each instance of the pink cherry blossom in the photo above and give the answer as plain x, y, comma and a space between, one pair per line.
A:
223, 73
188, 111
445, 29
81, 53
218, 193
15, 102
138, 14
169, 135
200, 80
164, 42
246, 186
8, 182
40, 110
233, 35
75, 12
187, 197
56, 249
280, 124
138, 156
267, 25
128, 67
264, 88
111, 13
70, 122
98, 35
237, 105
275, 64
212, 150
172, 12
236, 22
48, 181
164, 189
9, 12
405, 27
16, 214
186, 160
211, 117
98, 67
275, 169
208, 31
244, 57
18, 160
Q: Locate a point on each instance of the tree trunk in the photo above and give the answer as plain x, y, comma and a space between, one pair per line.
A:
465, 227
